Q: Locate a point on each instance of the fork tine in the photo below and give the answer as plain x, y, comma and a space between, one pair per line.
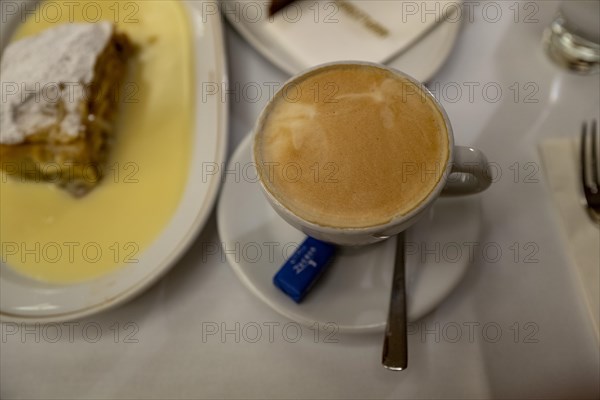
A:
595, 159
590, 169
583, 156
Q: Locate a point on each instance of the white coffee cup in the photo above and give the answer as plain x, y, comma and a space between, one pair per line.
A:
466, 172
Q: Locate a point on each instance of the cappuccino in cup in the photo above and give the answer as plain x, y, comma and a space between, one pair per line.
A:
351, 152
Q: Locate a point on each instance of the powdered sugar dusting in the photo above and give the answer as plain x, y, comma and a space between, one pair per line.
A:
39, 71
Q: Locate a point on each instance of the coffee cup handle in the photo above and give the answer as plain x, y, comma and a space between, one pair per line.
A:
470, 173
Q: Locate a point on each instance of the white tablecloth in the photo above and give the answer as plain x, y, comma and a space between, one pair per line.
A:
516, 327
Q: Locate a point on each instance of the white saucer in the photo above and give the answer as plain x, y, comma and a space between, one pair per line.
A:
422, 59
354, 291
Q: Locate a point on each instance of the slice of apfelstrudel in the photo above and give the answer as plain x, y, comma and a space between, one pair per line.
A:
60, 96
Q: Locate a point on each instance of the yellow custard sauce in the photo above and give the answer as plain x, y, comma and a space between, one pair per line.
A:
47, 234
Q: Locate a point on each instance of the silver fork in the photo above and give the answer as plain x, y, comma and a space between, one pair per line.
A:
590, 168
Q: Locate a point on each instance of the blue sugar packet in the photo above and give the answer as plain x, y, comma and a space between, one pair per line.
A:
302, 269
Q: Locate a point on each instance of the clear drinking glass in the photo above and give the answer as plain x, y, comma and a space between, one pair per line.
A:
573, 37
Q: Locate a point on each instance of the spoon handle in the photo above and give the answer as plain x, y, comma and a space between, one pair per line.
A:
395, 347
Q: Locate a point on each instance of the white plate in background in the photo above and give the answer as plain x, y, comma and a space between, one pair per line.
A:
421, 58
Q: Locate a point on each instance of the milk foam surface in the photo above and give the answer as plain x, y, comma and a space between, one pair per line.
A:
352, 146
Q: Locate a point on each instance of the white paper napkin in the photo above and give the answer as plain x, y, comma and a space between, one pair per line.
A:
561, 164
316, 32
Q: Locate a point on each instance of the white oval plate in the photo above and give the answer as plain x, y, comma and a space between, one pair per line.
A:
420, 60
354, 292
26, 300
